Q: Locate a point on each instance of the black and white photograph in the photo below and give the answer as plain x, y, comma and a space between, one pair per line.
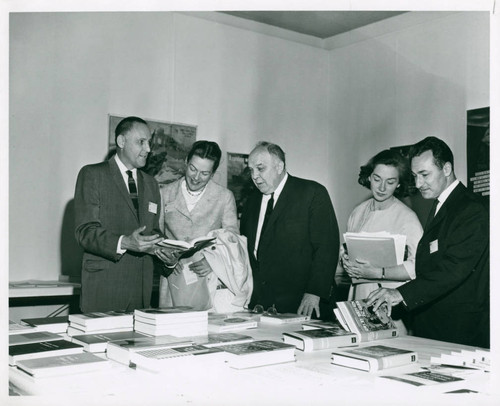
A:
206, 160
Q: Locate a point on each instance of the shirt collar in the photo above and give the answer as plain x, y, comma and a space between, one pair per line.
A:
445, 193
280, 187
122, 167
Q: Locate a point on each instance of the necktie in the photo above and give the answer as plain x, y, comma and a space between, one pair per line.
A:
432, 213
132, 189
269, 210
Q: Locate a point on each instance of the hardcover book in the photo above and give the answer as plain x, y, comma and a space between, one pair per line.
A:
258, 353
283, 318
178, 329
121, 350
218, 339
101, 320
33, 337
171, 314
374, 358
320, 339
357, 317
63, 365
188, 248
17, 328
73, 331
57, 324
98, 342
42, 349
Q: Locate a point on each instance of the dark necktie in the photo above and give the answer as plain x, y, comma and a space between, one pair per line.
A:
432, 213
132, 188
269, 210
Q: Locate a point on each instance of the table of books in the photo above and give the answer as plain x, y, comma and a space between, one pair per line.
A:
311, 379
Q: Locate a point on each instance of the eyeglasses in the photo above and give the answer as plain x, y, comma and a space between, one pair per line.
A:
259, 309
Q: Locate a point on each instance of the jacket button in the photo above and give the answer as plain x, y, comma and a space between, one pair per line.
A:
213, 247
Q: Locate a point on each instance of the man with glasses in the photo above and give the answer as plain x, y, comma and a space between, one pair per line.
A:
116, 223
293, 237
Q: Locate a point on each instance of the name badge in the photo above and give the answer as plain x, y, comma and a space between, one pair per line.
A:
153, 208
433, 246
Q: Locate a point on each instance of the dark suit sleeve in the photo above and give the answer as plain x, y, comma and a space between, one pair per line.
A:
461, 249
324, 239
89, 231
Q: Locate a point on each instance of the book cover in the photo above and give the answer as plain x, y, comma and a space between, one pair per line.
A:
258, 353
62, 365
17, 328
57, 324
374, 358
379, 249
423, 378
157, 359
33, 337
98, 342
42, 349
96, 320
320, 339
224, 324
188, 248
362, 320
120, 350
283, 318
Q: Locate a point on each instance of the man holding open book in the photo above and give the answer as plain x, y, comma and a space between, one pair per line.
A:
449, 299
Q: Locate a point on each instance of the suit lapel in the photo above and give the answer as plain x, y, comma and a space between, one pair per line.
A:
179, 203
283, 201
120, 184
449, 202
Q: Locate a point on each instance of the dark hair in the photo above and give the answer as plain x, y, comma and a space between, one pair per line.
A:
273, 149
207, 150
389, 157
126, 125
440, 151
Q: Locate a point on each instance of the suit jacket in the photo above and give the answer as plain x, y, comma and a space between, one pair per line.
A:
215, 210
298, 251
103, 212
450, 295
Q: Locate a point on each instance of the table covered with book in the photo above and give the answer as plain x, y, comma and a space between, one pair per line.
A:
309, 377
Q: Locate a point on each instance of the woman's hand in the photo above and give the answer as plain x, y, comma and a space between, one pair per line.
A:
201, 267
361, 269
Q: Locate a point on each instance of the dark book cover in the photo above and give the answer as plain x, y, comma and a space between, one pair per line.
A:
45, 346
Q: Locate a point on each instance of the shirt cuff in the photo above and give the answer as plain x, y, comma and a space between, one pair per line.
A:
120, 250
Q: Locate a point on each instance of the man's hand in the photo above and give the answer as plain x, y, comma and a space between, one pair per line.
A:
309, 303
140, 243
168, 256
384, 295
201, 267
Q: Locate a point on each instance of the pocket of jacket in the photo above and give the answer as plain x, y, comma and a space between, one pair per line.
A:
95, 265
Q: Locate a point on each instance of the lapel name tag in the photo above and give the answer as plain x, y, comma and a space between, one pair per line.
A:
433, 246
153, 208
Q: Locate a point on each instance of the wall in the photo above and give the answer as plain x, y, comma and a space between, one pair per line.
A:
400, 87
69, 70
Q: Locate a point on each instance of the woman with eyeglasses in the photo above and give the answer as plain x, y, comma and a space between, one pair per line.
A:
387, 175
195, 206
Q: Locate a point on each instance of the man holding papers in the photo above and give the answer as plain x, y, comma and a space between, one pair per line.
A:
449, 299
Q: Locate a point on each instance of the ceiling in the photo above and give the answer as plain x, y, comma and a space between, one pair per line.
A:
320, 24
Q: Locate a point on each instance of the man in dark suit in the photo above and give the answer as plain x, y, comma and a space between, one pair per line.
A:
293, 237
449, 299
117, 208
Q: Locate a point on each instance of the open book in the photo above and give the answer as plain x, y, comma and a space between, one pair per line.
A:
379, 249
188, 248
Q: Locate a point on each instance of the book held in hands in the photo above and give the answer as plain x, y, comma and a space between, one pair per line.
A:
380, 249
374, 358
357, 317
188, 248
320, 339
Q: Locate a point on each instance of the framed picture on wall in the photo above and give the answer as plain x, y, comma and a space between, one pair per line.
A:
170, 145
478, 152
238, 179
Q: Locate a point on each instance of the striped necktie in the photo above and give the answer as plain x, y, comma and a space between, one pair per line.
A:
132, 189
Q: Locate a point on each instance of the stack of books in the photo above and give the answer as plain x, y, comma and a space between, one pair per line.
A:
221, 323
33, 337
18, 328
42, 349
177, 321
475, 359
98, 342
320, 338
100, 322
